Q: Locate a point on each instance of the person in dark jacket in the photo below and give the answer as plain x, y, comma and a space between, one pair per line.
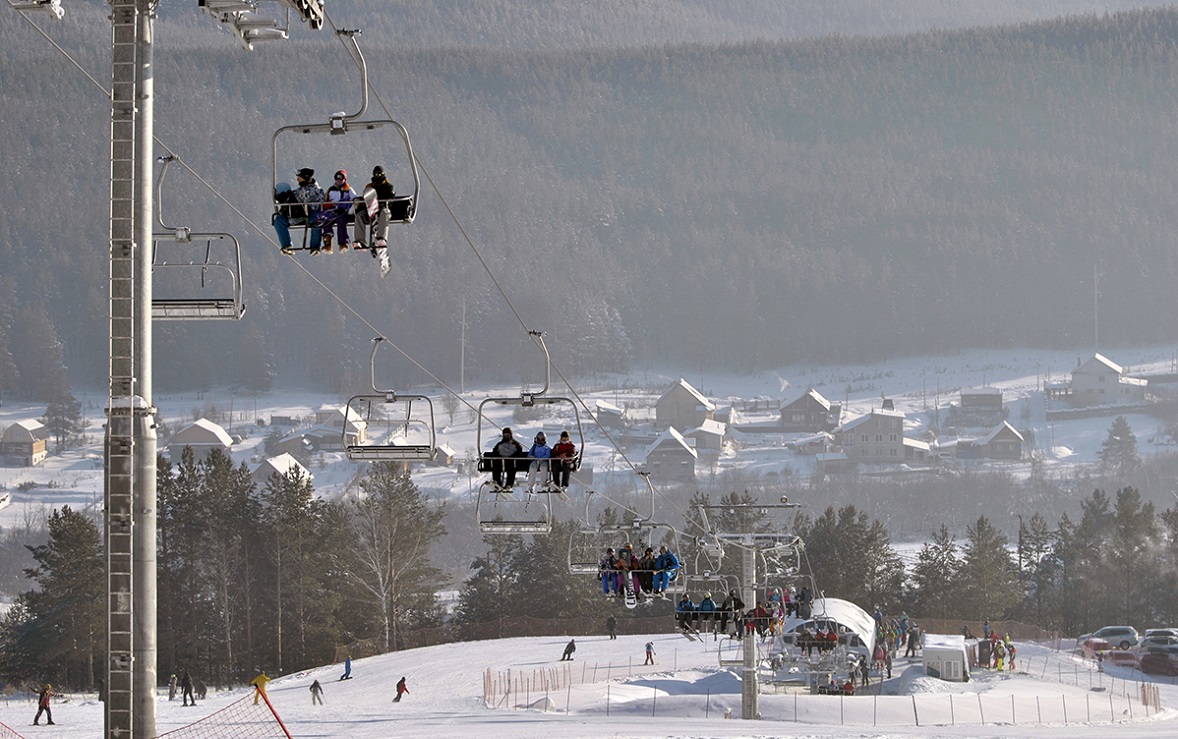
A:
186, 688
316, 693
568, 651
611, 625
730, 608
563, 456
503, 467
385, 192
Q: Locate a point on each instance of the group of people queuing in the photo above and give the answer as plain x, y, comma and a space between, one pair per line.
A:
647, 575
1001, 651
547, 466
326, 213
896, 633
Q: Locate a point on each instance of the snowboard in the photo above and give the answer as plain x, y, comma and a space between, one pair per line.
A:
383, 255
631, 598
371, 204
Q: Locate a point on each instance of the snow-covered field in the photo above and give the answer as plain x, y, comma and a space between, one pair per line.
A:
607, 692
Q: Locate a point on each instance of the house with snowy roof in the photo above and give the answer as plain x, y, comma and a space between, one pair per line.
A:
282, 465
874, 438
25, 444
1003, 442
810, 413
202, 435
670, 457
682, 406
708, 435
1100, 381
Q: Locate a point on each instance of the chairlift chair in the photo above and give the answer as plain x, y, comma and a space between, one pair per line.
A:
355, 156
488, 462
369, 407
504, 513
190, 281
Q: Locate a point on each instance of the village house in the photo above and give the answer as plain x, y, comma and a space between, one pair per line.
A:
1100, 381
670, 457
682, 406
810, 413
874, 438
282, 465
25, 444
202, 436
708, 435
1003, 442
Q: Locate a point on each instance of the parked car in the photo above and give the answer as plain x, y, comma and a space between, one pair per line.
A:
1170, 631
1159, 660
1154, 641
1121, 637
1093, 647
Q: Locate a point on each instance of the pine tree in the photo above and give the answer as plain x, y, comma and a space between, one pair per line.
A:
486, 594
66, 627
989, 580
63, 418
935, 576
1118, 453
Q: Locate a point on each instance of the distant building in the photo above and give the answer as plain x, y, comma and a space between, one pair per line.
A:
875, 438
980, 407
1003, 442
25, 444
610, 416
333, 417
203, 436
670, 457
810, 413
708, 435
1100, 381
282, 465
682, 406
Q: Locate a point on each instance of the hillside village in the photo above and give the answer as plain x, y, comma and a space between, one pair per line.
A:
676, 432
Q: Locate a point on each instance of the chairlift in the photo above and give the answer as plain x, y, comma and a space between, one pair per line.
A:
371, 408
200, 278
350, 149
488, 462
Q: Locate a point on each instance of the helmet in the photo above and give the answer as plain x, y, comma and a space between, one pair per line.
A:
707, 595
541, 437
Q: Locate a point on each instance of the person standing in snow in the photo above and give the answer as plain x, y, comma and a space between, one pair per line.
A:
43, 705
186, 688
611, 625
347, 668
172, 687
402, 689
259, 684
316, 693
568, 651
649, 653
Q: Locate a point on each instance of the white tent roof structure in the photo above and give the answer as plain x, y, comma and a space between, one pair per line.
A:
847, 614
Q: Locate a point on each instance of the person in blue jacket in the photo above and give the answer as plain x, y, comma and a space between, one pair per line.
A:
666, 565
540, 454
707, 609
685, 612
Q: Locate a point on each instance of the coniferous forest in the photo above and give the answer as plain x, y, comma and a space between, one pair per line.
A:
729, 206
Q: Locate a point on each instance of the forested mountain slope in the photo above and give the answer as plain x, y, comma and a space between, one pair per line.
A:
727, 205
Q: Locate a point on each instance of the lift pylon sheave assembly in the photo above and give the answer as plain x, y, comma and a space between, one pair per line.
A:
200, 278
370, 407
352, 151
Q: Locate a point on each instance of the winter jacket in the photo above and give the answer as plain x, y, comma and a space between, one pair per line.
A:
540, 451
